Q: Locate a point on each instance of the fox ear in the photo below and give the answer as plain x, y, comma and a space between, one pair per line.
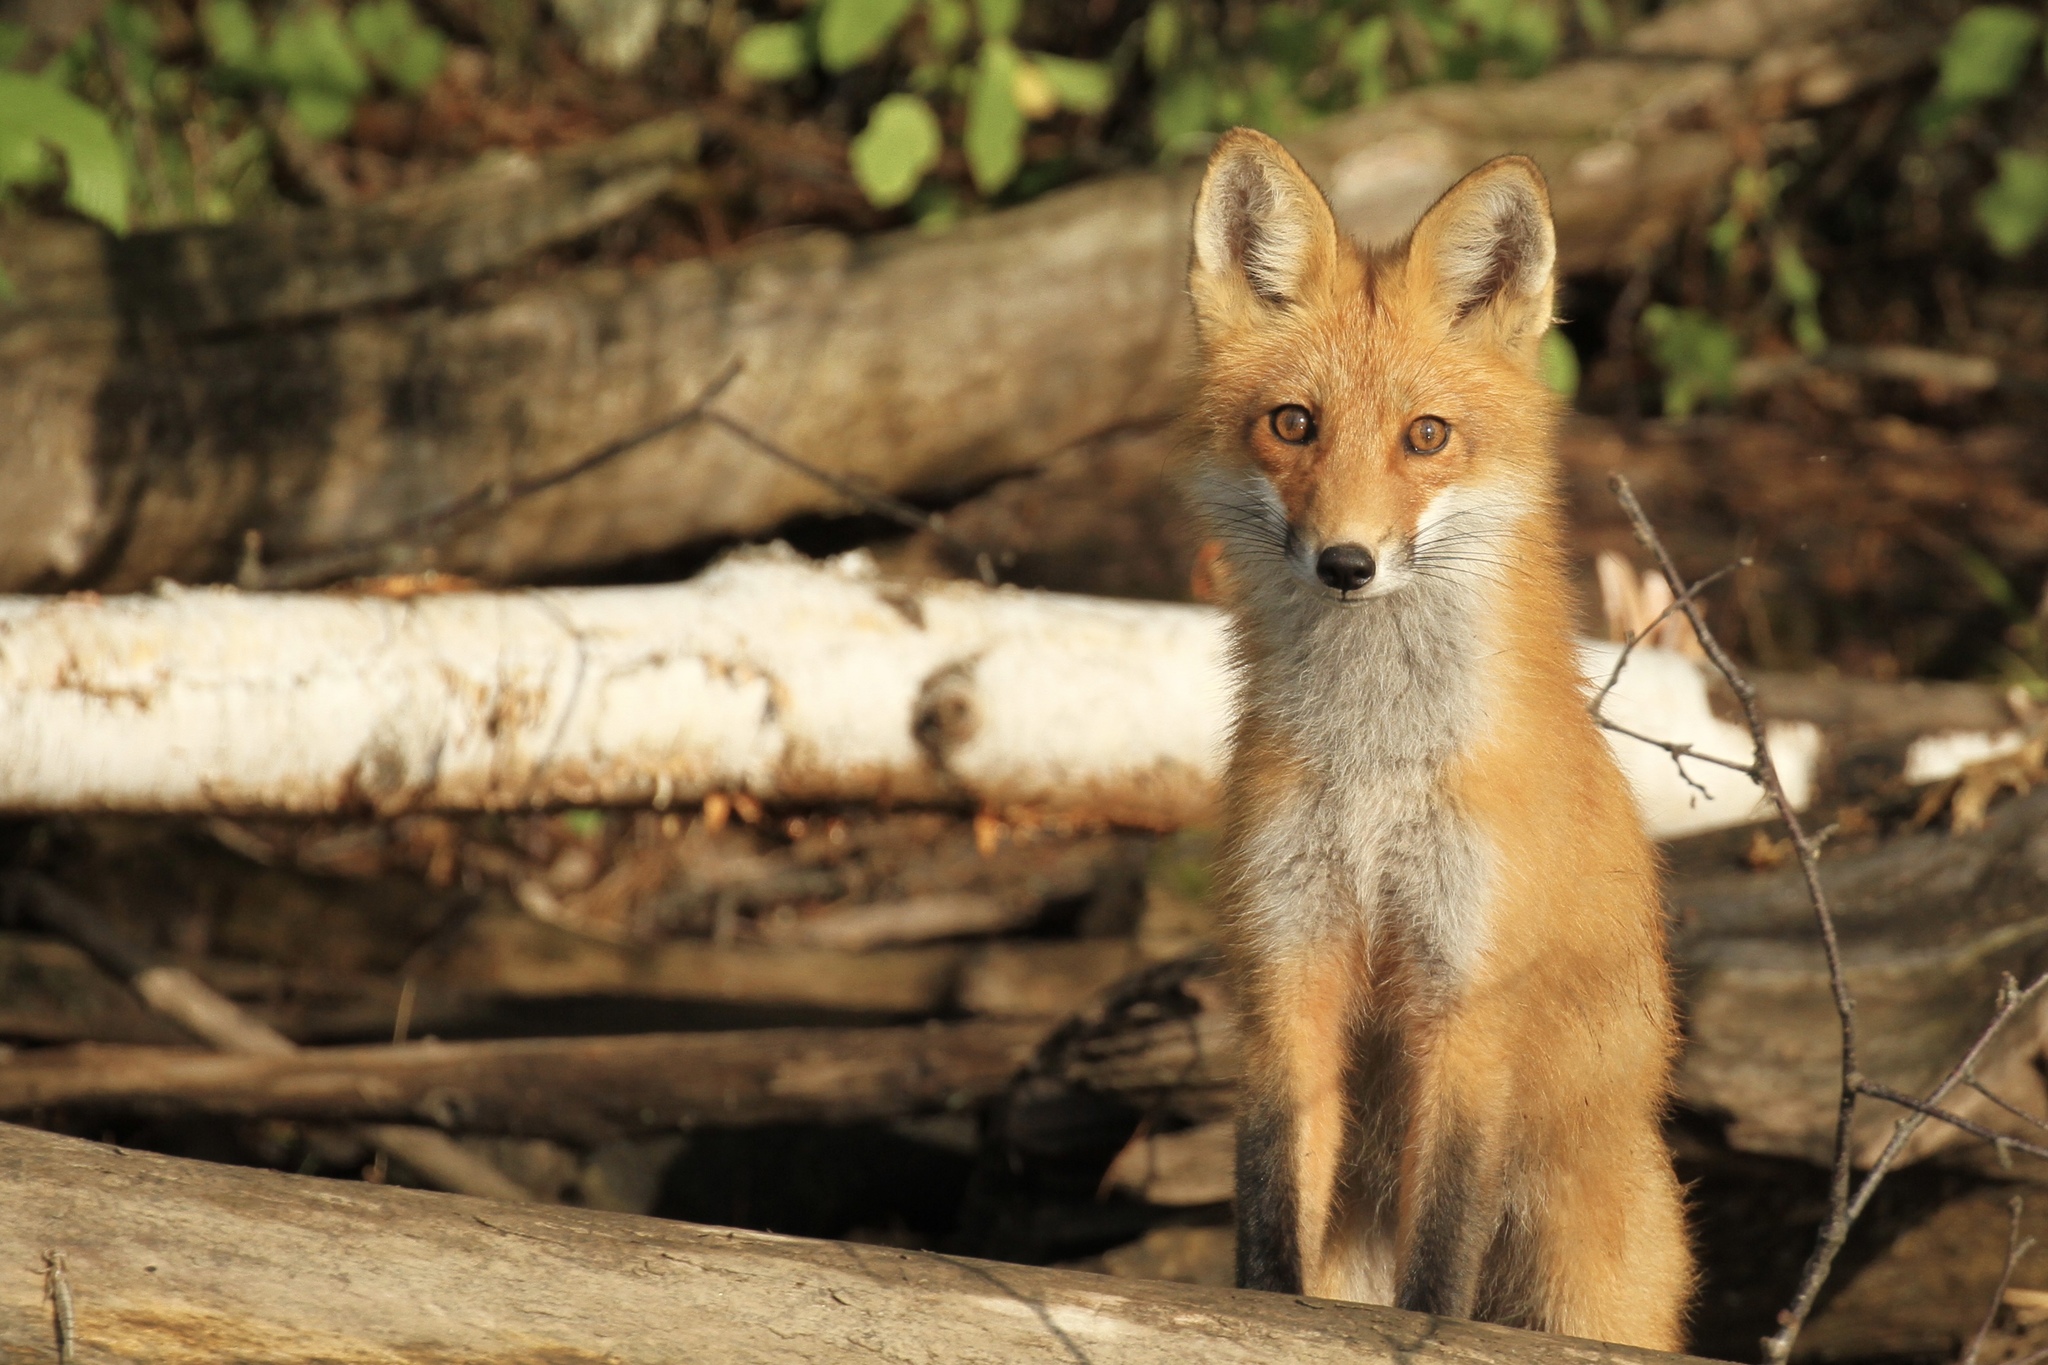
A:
1490, 249
1263, 231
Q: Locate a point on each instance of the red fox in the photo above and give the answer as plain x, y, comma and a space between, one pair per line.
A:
1440, 909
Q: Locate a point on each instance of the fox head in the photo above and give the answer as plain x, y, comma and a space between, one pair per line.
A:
1374, 421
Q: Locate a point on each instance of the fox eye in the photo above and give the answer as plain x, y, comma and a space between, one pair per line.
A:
1293, 424
1427, 435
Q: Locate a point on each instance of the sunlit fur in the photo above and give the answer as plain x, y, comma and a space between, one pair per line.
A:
1441, 911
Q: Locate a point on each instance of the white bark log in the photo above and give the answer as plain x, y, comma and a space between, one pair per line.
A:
769, 674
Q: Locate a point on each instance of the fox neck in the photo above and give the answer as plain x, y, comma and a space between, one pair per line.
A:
1367, 692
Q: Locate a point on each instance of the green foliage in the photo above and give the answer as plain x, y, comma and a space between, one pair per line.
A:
1558, 363
403, 50
1696, 354
1986, 53
39, 118
892, 154
1799, 286
994, 138
1198, 66
2013, 210
772, 52
852, 31
320, 62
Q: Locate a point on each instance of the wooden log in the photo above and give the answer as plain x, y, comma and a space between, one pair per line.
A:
1930, 924
579, 1090
907, 363
769, 674
176, 1262
176, 994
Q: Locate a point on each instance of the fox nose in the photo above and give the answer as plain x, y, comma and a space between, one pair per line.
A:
1346, 568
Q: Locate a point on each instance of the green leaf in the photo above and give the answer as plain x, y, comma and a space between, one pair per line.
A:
584, 824
946, 23
1597, 18
2013, 210
998, 17
1183, 111
33, 110
994, 137
405, 51
1796, 280
1696, 353
1162, 36
311, 54
892, 154
1985, 53
231, 34
772, 52
25, 161
1365, 52
851, 31
1558, 364
322, 113
1082, 87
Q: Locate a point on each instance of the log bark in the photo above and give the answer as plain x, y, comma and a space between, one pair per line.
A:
769, 674
579, 1090
176, 1262
142, 447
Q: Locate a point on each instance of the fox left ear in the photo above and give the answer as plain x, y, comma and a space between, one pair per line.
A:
1263, 234
1491, 249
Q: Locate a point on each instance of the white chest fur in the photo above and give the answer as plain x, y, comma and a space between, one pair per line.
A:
1373, 700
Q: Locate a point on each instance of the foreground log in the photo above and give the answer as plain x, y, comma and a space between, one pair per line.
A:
580, 1090
141, 446
173, 1262
769, 674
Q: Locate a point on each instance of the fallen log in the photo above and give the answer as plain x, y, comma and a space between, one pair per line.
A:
769, 674
1930, 925
177, 1262
140, 448
578, 1090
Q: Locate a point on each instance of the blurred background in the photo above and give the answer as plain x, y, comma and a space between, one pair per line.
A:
403, 297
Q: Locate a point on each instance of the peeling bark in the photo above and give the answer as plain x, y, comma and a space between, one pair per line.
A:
769, 674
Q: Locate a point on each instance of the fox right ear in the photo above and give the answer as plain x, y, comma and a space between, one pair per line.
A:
1263, 231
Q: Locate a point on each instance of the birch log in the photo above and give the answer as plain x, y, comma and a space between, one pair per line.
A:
166, 393
178, 1262
770, 674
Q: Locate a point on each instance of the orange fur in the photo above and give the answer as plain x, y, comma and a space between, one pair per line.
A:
1441, 910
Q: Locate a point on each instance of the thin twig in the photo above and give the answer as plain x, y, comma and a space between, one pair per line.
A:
57, 1293
1680, 752
1629, 646
881, 504
2015, 1248
1778, 1347
2003, 1103
1878, 1090
1845, 1204
406, 541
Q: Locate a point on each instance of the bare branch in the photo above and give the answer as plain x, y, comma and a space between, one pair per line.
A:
2003, 1103
1629, 646
406, 542
1679, 753
1846, 1199
2015, 1247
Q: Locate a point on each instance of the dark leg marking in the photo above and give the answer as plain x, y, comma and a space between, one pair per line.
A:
1455, 1225
1268, 1248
